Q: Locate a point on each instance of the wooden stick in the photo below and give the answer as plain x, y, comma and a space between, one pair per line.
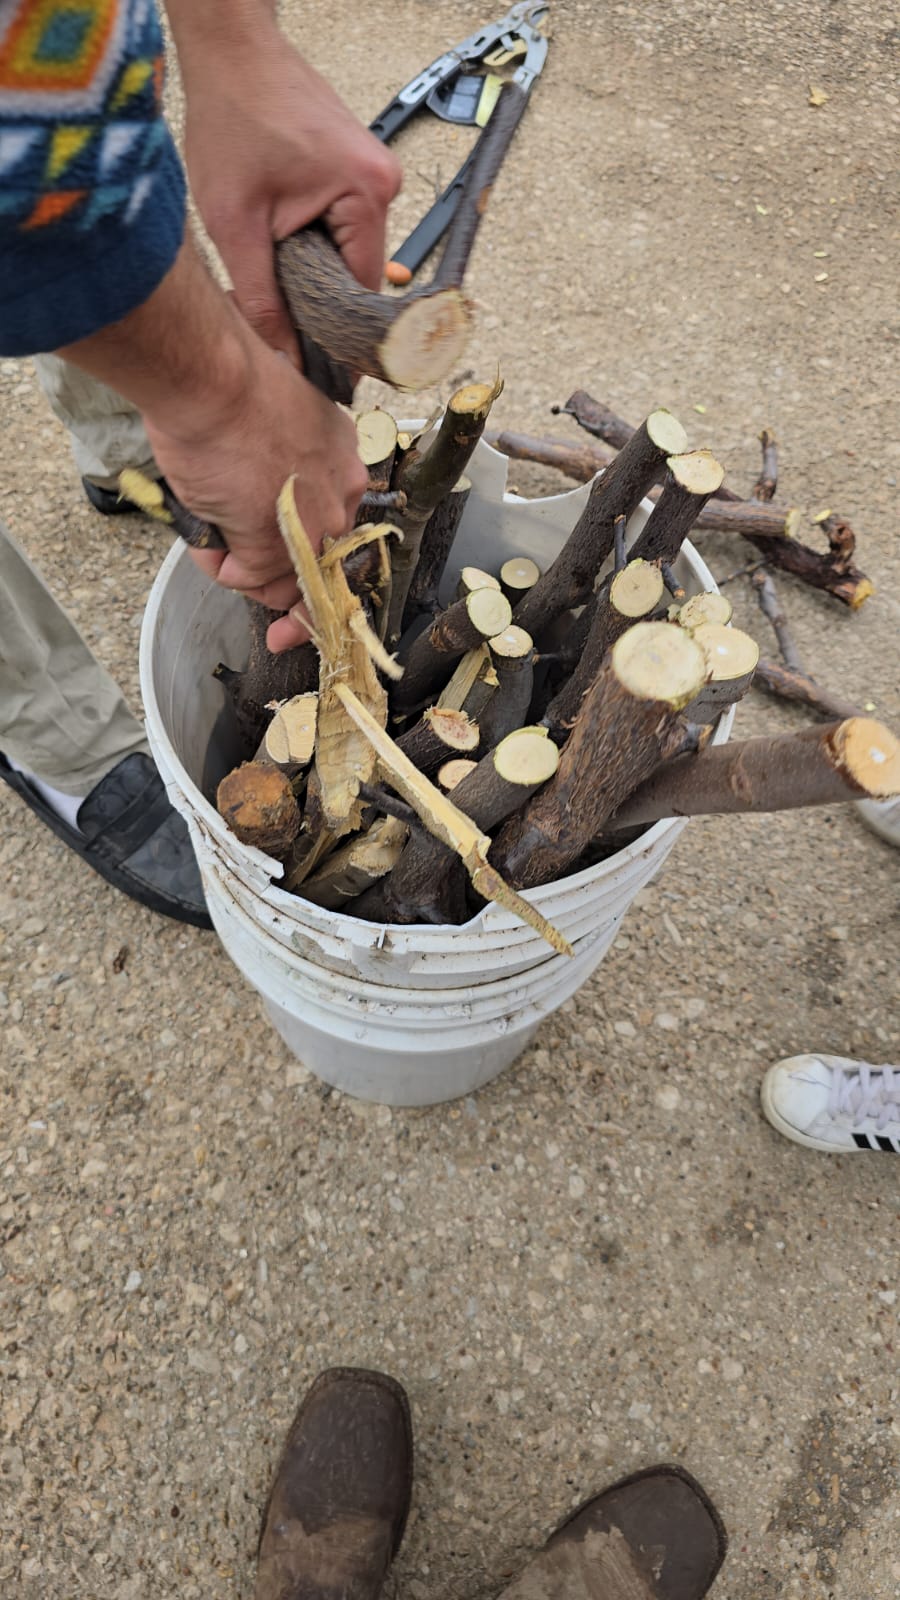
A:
858, 758
427, 478
517, 576
512, 652
475, 668
431, 656
767, 482
425, 885
266, 678
429, 743
434, 551
628, 720
692, 478
595, 418
788, 684
570, 579
632, 593
575, 459
832, 571
732, 657
770, 606
354, 867
260, 807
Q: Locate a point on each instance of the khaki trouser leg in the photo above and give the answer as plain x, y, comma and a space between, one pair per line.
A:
105, 430
61, 715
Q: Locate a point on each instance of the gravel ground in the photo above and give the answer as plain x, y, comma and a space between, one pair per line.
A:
608, 1257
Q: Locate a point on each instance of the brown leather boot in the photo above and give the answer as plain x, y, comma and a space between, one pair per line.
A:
340, 1496
653, 1536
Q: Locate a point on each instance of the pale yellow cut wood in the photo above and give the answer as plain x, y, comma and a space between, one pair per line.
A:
344, 756
290, 738
473, 665
453, 772
702, 608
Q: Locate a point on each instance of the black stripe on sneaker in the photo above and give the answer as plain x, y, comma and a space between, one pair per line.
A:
861, 1140
884, 1143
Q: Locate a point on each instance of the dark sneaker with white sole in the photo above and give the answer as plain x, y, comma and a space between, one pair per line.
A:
830, 1103
128, 830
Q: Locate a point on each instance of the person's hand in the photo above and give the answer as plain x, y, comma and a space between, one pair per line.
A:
230, 464
270, 147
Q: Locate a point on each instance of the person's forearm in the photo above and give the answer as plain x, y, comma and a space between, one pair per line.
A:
201, 27
181, 357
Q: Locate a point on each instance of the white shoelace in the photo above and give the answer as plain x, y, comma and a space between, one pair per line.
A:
864, 1094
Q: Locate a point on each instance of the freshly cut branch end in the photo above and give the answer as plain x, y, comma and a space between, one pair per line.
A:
637, 589
290, 738
667, 432
654, 661
453, 772
517, 576
711, 607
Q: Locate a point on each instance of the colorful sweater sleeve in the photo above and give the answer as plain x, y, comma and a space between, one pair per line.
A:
92, 193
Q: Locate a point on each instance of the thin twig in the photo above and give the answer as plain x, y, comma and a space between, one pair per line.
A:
770, 606
620, 557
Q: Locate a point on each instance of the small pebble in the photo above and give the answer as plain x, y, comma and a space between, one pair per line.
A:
665, 1019
667, 1097
133, 1281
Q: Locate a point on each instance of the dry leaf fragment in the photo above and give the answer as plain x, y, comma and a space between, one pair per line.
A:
817, 97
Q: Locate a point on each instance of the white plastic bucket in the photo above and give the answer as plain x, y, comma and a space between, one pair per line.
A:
399, 1015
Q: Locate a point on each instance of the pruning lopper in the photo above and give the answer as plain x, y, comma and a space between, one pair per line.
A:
463, 86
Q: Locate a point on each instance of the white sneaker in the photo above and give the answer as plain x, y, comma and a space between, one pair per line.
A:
883, 817
829, 1103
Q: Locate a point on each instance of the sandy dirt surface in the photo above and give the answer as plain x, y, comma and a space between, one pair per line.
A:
607, 1258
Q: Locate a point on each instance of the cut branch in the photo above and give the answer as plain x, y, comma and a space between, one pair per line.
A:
855, 759
517, 576
767, 482
453, 772
707, 607
376, 442
437, 542
512, 653
357, 865
260, 808
427, 885
436, 736
692, 478
447, 822
457, 630
426, 479
632, 593
770, 606
472, 578
731, 657
570, 579
629, 719
788, 684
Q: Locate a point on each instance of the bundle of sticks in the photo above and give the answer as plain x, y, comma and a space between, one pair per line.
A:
416, 759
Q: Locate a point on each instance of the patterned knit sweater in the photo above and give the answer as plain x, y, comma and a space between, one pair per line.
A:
92, 195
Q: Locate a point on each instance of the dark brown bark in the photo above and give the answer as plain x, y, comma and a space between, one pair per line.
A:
786, 684
427, 478
266, 677
815, 767
607, 625
507, 708
436, 737
379, 505
570, 579
434, 550
767, 482
432, 655
258, 804
428, 882
575, 459
595, 418
832, 571
677, 508
770, 606
617, 741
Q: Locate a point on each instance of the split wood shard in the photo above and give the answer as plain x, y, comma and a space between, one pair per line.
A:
446, 821
340, 632
290, 739
357, 865
480, 616
858, 758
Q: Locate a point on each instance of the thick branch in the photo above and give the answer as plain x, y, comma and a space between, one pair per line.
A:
512, 654
450, 635
259, 806
855, 759
428, 478
632, 594
691, 480
436, 737
570, 579
628, 720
